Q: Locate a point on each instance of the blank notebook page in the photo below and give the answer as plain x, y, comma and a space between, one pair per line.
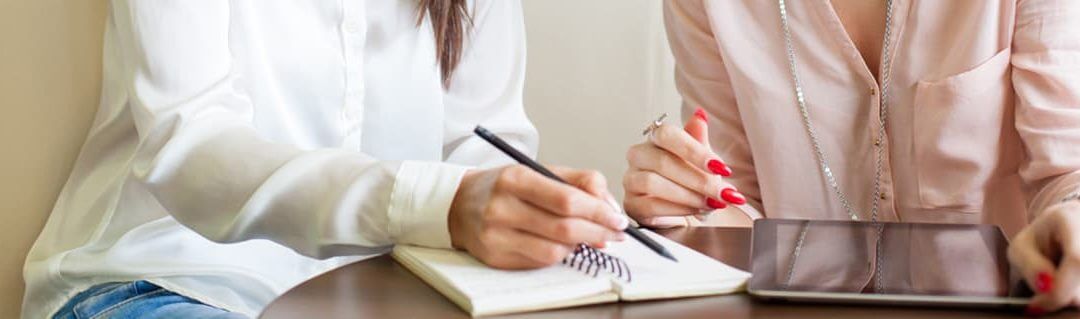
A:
654, 276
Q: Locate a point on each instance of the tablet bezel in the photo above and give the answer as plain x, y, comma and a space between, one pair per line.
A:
764, 233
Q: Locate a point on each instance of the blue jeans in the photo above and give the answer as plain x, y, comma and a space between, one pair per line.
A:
138, 299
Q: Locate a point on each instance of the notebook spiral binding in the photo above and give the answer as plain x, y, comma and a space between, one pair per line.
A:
592, 262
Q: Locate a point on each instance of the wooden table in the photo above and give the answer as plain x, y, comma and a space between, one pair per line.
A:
380, 288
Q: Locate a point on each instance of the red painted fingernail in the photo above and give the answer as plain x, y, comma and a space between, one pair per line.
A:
1033, 311
733, 196
1044, 282
714, 203
719, 168
700, 113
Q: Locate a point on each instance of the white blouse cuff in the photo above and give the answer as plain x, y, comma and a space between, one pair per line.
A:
420, 203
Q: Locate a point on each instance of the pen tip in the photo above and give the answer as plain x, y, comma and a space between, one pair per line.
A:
669, 256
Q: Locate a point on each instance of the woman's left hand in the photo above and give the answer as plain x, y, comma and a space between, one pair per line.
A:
1047, 254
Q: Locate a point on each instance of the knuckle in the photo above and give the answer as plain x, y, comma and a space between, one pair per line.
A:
686, 150
493, 213
665, 163
663, 133
632, 181
563, 228
637, 154
594, 177
517, 172
491, 217
642, 183
598, 183
637, 210
506, 177
632, 154
638, 207
628, 180
650, 206
631, 201
567, 203
650, 181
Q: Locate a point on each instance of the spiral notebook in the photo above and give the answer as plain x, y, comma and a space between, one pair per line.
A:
624, 270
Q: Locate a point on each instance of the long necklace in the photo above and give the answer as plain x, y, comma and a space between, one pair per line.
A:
823, 162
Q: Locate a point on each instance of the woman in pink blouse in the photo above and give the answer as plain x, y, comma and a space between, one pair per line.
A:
888, 110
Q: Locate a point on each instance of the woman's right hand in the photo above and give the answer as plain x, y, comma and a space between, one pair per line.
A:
514, 218
676, 174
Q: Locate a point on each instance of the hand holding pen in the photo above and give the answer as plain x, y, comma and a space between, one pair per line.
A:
513, 217
602, 192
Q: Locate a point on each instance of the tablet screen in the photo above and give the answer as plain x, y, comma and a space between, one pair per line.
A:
882, 258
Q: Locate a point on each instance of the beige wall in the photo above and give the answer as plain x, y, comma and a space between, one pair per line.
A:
598, 71
50, 65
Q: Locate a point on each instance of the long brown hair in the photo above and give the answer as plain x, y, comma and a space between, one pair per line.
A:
449, 20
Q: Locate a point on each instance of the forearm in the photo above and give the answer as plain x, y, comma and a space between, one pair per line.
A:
229, 185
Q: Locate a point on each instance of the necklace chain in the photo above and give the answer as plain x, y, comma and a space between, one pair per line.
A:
823, 162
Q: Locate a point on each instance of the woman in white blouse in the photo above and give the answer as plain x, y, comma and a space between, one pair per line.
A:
243, 147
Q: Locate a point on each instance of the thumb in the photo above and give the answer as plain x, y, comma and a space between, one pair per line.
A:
698, 126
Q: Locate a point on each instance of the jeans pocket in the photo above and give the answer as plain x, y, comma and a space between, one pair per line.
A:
138, 304
103, 297
68, 310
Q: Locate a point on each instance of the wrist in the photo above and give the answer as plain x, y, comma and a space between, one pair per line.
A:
456, 223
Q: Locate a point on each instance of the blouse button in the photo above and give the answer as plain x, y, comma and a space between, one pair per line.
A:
873, 91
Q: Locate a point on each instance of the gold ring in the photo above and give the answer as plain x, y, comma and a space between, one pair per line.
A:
654, 125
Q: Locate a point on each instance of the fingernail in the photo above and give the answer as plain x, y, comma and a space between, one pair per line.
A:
1033, 311
700, 113
714, 203
616, 236
719, 168
617, 218
620, 221
732, 196
1044, 282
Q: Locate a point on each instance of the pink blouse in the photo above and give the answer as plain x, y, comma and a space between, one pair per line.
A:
983, 113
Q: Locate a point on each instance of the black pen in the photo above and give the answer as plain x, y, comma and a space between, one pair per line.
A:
525, 160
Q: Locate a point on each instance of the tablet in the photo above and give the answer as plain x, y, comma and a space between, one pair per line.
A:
883, 263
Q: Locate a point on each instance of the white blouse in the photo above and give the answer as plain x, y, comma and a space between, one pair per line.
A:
242, 147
